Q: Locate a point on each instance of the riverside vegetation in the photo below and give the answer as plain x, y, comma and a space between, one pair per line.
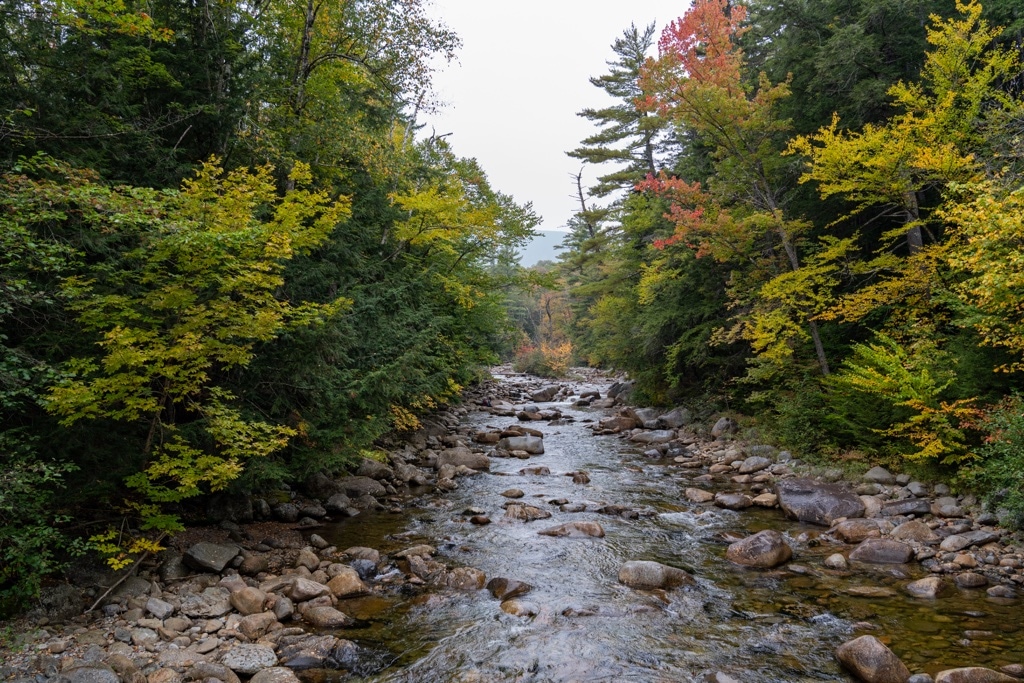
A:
232, 264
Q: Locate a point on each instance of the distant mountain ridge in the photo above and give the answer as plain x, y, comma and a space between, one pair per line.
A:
542, 248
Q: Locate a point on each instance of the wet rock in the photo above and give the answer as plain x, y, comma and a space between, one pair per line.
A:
539, 470
324, 616
870, 592
836, 561
575, 530
698, 495
519, 608
765, 549
357, 487
970, 580
346, 583
958, 542
856, 530
619, 423
807, 500
544, 395
306, 652
580, 478
754, 464
506, 589
422, 550
879, 475
531, 444
928, 587
871, 661
513, 493
724, 426
308, 559
466, 579
249, 659
733, 501
275, 674
525, 513
1001, 591
462, 456
480, 520
910, 506
766, 500
211, 557
920, 678
972, 674
914, 530
649, 575
654, 437
212, 602
882, 551
254, 626
248, 600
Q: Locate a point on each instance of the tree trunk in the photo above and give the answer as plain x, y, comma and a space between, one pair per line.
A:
915, 240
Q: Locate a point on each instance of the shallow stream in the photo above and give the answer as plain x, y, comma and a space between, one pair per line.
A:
757, 626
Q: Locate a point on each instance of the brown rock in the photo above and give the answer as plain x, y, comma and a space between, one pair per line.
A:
882, 551
914, 530
326, 617
575, 530
698, 495
764, 549
506, 589
816, 502
649, 575
871, 661
466, 579
255, 625
972, 674
856, 530
346, 583
248, 600
928, 587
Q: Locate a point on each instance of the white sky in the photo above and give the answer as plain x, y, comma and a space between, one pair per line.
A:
521, 76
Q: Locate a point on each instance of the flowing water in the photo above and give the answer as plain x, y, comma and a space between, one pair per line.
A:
757, 626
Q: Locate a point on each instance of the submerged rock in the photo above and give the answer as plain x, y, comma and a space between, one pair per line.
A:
575, 530
972, 674
882, 551
648, 575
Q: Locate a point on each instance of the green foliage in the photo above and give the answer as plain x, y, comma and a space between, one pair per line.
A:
32, 547
1000, 466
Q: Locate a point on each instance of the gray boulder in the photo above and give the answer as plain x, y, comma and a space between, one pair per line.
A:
973, 674
211, 557
212, 602
676, 418
754, 463
356, 487
914, 530
275, 674
724, 426
649, 575
811, 501
879, 475
249, 659
910, 506
871, 661
960, 541
575, 530
654, 436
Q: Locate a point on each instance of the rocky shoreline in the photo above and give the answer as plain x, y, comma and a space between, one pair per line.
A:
264, 596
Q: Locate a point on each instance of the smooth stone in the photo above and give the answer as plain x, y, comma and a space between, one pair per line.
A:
910, 506
733, 501
754, 463
248, 600
970, 580
347, 583
724, 426
807, 500
695, 495
856, 530
254, 626
275, 674
836, 561
871, 661
525, 513
421, 550
463, 456
324, 616
654, 437
302, 589
879, 475
506, 589
160, 609
973, 674
958, 542
928, 587
531, 444
649, 575
519, 608
765, 549
513, 493
882, 551
1001, 591
914, 530
575, 530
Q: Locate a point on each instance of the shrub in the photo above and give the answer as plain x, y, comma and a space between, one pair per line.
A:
1000, 469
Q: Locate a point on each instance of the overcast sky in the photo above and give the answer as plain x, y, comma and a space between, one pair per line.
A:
521, 76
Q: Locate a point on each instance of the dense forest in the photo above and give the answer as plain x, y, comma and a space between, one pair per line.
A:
810, 214
228, 258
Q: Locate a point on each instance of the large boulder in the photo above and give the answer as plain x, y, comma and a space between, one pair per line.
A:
654, 437
958, 542
816, 502
909, 506
544, 395
211, 557
914, 530
649, 575
618, 422
765, 549
724, 426
882, 551
871, 661
212, 602
534, 445
357, 487
676, 418
460, 455
973, 674
856, 530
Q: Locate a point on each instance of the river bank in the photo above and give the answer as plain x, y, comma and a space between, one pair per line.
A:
469, 557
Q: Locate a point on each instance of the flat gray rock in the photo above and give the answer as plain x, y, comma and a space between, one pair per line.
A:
211, 557
960, 541
249, 659
816, 502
